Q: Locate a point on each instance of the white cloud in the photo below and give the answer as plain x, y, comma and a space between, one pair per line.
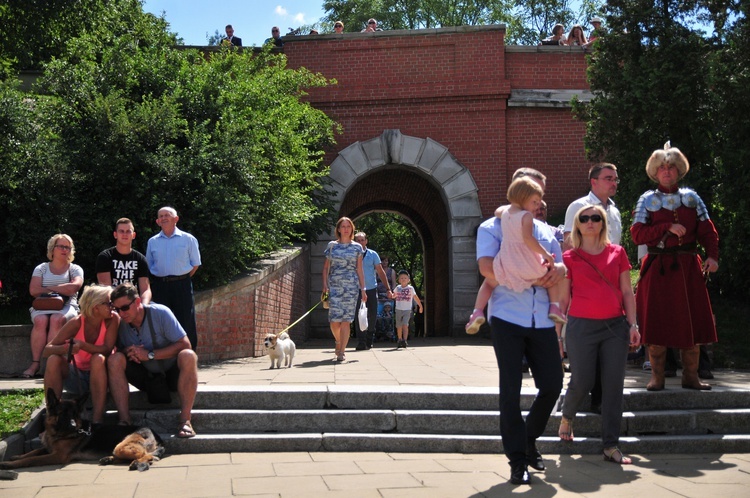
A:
280, 10
300, 18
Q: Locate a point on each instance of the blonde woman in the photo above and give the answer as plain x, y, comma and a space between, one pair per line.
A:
60, 276
85, 341
601, 322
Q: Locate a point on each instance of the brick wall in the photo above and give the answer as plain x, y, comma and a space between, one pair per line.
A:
234, 319
452, 85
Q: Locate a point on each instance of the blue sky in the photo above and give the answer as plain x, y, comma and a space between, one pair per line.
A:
252, 19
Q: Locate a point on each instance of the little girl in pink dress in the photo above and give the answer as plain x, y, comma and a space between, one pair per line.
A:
521, 260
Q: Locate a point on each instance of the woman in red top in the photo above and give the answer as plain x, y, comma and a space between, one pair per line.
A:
673, 306
601, 322
89, 338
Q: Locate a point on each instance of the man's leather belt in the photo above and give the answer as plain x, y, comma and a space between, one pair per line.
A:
172, 278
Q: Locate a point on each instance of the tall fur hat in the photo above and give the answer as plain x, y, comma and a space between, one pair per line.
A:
667, 155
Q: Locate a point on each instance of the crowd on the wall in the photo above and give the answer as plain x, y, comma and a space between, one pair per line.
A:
576, 36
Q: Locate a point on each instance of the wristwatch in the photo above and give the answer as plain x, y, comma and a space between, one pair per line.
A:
151, 355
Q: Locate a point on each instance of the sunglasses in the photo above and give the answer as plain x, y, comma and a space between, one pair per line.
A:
372, 22
584, 218
123, 308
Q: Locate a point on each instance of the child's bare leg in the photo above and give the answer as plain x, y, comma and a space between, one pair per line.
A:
559, 301
483, 297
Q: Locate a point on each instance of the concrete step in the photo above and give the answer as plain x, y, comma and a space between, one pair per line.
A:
436, 419
456, 422
443, 443
427, 397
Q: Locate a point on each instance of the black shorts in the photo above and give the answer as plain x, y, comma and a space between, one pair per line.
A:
138, 375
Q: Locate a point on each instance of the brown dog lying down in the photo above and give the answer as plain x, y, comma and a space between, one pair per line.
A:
66, 438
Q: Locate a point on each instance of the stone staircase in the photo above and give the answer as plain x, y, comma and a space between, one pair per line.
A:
437, 419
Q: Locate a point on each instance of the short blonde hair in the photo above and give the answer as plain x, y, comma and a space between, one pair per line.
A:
668, 155
53, 241
521, 189
575, 236
92, 296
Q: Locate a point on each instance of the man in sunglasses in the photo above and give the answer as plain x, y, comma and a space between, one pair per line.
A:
121, 263
150, 343
604, 180
372, 26
275, 37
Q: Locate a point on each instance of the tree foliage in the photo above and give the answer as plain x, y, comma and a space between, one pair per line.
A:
123, 123
392, 235
659, 75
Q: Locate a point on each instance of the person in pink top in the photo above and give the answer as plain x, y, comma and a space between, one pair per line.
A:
602, 324
521, 260
85, 341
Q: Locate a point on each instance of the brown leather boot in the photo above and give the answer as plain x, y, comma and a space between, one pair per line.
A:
656, 355
690, 378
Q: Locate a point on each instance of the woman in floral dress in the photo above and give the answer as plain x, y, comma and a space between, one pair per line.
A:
343, 278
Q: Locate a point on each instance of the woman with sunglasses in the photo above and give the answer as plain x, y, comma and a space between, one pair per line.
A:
59, 276
673, 304
76, 357
601, 322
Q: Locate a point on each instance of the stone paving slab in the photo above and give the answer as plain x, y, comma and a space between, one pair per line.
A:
466, 363
303, 474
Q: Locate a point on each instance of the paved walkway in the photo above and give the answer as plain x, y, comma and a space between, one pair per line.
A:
428, 362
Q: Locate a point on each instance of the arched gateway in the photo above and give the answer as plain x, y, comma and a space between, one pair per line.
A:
419, 179
434, 123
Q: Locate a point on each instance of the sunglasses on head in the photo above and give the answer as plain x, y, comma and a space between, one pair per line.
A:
584, 218
124, 308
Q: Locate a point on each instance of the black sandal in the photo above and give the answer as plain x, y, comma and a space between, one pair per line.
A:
25, 375
617, 456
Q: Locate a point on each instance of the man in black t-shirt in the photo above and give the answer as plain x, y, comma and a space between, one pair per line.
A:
122, 263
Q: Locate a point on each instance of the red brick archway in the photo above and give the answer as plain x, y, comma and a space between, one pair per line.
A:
458, 110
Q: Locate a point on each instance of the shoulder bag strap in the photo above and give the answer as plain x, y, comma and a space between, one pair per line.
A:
614, 289
146, 311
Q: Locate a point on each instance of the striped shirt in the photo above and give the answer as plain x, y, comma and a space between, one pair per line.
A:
50, 279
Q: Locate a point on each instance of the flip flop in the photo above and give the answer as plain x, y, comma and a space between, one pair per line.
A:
185, 430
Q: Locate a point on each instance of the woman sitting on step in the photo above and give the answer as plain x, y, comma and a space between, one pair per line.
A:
76, 357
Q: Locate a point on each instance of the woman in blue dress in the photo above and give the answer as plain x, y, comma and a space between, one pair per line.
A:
343, 279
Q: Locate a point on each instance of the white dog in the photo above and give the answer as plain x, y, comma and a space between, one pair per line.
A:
280, 348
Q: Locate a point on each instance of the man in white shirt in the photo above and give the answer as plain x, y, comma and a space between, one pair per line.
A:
603, 178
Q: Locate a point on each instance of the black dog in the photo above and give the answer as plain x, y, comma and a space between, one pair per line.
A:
67, 437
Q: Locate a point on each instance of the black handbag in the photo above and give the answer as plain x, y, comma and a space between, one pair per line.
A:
157, 388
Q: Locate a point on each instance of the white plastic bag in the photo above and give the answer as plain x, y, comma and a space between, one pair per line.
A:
362, 316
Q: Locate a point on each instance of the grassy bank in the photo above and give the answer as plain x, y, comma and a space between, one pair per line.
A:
16, 408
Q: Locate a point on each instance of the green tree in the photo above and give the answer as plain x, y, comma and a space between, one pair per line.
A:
392, 235
658, 76
124, 123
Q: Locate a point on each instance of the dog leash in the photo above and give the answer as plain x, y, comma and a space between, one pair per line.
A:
300, 318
